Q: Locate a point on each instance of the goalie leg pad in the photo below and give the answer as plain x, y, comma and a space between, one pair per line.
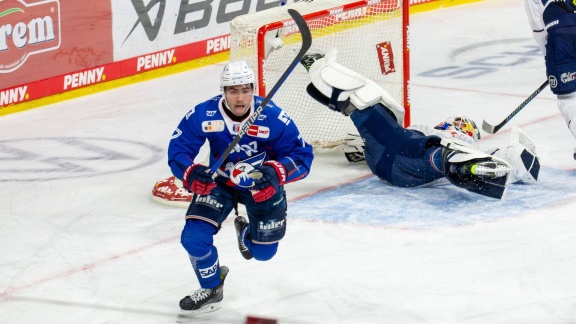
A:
339, 106
326, 74
343, 85
371, 94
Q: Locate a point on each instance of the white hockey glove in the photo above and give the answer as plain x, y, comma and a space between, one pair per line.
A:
521, 154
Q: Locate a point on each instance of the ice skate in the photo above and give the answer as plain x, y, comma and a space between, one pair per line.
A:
488, 169
205, 300
242, 225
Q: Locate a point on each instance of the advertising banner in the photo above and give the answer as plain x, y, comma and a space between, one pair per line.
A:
42, 39
49, 47
142, 27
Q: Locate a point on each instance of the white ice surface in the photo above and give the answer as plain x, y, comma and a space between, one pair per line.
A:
85, 244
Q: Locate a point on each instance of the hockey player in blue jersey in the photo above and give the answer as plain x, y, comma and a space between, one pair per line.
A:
553, 25
271, 154
408, 157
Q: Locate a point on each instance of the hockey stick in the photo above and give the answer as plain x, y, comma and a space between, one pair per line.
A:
491, 129
306, 44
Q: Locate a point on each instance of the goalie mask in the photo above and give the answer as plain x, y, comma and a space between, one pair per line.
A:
460, 124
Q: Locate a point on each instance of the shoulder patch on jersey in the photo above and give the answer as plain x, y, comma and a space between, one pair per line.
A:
210, 126
210, 113
258, 131
284, 117
190, 113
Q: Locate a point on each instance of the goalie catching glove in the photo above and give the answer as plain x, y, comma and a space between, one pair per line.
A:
198, 179
267, 178
521, 153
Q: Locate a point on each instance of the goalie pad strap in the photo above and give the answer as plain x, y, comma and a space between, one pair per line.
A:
366, 96
321, 98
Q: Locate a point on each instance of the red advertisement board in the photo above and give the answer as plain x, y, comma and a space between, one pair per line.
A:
42, 39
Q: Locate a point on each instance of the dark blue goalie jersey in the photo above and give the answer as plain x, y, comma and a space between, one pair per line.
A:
272, 136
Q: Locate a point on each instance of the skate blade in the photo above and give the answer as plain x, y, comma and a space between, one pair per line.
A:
206, 309
487, 170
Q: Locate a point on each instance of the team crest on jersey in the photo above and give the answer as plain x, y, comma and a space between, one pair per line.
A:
236, 128
568, 77
238, 172
258, 131
210, 126
553, 81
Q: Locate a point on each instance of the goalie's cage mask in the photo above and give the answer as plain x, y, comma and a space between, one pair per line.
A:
461, 124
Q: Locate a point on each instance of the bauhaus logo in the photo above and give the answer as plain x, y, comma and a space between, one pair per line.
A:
27, 29
191, 15
142, 10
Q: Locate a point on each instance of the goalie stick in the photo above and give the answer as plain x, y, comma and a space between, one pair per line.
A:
306, 44
491, 129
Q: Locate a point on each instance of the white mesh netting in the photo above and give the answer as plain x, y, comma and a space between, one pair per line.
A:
367, 34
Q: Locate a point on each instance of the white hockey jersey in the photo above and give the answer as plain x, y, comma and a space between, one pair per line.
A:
534, 10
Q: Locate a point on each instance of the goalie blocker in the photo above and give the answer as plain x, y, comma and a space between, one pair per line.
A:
403, 157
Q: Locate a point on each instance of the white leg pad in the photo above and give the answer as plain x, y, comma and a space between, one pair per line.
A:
371, 94
327, 74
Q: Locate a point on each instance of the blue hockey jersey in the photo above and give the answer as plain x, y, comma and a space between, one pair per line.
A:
272, 136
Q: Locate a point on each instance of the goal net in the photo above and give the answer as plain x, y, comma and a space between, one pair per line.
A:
370, 37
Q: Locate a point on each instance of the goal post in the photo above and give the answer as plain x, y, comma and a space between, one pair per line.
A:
371, 37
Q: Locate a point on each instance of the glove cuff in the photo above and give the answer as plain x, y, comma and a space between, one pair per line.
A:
280, 170
186, 175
